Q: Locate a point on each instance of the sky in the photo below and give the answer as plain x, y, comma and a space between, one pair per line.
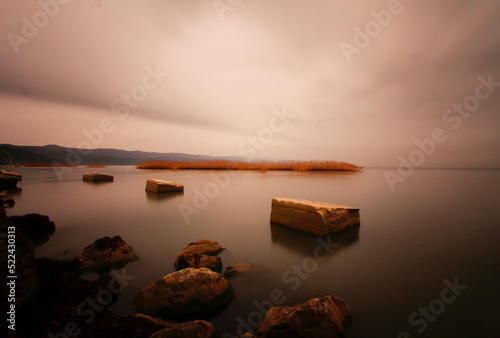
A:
375, 83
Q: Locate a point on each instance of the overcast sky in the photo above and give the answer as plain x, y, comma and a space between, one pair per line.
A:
354, 89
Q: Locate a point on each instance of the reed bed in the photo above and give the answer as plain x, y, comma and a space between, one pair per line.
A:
241, 165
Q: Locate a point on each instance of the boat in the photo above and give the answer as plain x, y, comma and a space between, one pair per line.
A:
9, 179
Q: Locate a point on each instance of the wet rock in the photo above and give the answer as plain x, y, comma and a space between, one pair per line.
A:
195, 329
199, 254
198, 261
318, 317
105, 254
153, 185
314, 217
184, 292
97, 177
38, 227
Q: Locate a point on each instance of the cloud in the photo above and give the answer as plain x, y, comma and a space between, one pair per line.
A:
227, 76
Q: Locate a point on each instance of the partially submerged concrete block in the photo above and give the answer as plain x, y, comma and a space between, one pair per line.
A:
97, 177
154, 185
314, 217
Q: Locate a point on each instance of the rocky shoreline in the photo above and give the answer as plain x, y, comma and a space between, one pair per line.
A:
53, 301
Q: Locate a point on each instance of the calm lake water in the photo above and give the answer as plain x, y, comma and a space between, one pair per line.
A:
440, 225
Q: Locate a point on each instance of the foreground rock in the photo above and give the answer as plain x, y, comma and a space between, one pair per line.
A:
105, 254
154, 185
196, 329
314, 217
9, 180
97, 177
184, 292
319, 317
64, 298
200, 254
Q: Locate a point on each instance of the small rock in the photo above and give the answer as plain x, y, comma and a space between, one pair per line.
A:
318, 317
199, 254
97, 177
184, 292
9, 180
196, 329
106, 253
198, 261
154, 185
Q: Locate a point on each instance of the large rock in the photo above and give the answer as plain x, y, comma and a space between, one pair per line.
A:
97, 177
200, 254
184, 292
195, 329
154, 185
106, 253
314, 217
319, 317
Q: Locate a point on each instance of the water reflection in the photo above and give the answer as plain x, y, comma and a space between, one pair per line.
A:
153, 196
305, 243
97, 182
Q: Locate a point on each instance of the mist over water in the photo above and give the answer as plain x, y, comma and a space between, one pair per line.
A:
438, 225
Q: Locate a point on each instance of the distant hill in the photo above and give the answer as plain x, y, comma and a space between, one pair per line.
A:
108, 156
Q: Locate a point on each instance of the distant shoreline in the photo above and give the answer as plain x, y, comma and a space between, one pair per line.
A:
241, 165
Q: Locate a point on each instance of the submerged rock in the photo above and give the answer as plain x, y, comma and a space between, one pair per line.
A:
240, 268
106, 253
199, 254
195, 329
97, 177
154, 185
318, 317
184, 292
314, 217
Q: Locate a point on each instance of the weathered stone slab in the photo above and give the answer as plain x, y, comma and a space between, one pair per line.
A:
97, 177
317, 218
154, 185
